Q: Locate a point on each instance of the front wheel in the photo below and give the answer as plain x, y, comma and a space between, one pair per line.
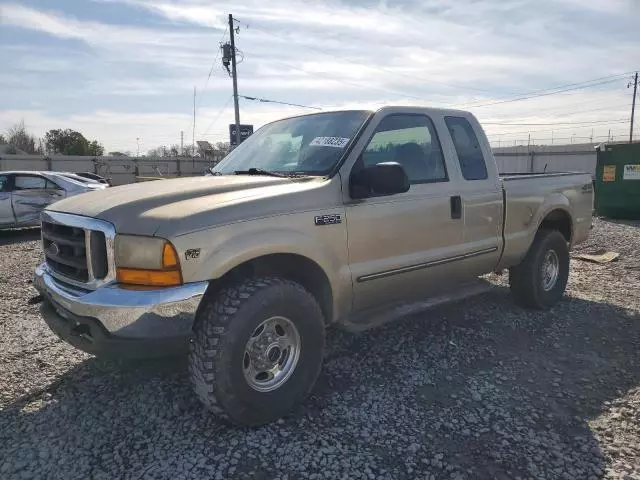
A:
257, 349
540, 280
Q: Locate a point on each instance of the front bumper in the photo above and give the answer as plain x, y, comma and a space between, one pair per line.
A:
118, 322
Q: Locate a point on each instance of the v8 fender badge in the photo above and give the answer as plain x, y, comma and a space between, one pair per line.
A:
192, 253
327, 219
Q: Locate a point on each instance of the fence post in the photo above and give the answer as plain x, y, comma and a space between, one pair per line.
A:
178, 171
49, 165
531, 164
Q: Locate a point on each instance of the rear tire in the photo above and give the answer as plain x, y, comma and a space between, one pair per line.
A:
540, 280
257, 350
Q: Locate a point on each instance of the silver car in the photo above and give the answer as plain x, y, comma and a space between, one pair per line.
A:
23, 195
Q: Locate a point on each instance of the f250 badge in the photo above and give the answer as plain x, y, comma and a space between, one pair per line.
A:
328, 219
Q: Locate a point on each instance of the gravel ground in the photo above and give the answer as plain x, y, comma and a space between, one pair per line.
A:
479, 389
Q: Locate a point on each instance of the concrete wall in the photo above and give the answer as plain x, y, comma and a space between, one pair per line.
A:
121, 170
556, 158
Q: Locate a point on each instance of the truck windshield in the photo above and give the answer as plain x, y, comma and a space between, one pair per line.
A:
306, 145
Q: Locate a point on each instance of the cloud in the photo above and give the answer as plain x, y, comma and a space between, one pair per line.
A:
121, 80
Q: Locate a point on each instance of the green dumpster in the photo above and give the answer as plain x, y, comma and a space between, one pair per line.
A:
617, 181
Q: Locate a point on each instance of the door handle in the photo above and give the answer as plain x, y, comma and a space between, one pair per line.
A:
456, 207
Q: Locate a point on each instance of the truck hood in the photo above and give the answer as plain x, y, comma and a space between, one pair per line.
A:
177, 206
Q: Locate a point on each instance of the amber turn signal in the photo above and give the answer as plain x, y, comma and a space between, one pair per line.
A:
169, 256
154, 278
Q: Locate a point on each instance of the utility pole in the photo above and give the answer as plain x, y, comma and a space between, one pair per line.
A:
234, 75
633, 104
181, 142
193, 131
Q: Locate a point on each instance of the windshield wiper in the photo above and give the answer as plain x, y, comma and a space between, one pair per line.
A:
260, 171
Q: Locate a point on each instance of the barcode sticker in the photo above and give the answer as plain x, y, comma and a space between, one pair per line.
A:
337, 142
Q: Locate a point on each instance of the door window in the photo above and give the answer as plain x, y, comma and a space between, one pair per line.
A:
410, 140
52, 186
468, 148
29, 182
4, 183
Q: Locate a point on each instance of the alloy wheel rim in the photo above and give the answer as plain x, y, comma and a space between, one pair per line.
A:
550, 270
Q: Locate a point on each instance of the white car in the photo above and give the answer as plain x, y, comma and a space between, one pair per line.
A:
23, 195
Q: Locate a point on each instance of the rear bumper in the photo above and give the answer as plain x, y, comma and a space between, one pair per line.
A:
117, 322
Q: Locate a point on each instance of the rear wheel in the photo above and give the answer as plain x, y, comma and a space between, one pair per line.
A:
540, 280
257, 350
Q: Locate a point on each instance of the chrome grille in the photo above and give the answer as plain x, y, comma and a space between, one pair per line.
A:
78, 249
65, 250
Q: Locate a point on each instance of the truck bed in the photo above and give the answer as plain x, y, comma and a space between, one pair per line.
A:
529, 198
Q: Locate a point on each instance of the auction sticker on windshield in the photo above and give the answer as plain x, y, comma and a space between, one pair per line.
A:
631, 172
338, 142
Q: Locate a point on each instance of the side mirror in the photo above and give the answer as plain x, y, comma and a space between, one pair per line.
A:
386, 178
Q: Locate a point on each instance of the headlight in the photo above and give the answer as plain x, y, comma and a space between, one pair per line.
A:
148, 261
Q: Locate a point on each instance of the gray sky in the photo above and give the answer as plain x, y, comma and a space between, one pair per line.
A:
118, 70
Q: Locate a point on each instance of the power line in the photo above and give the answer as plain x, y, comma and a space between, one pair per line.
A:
554, 129
532, 94
528, 97
264, 100
574, 112
555, 123
215, 119
213, 64
374, 67
345, 82
526, 141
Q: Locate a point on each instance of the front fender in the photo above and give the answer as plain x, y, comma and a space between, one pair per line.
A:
241, 248
223, 248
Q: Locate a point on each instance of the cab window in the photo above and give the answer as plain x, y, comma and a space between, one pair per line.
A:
411, 141
472, 163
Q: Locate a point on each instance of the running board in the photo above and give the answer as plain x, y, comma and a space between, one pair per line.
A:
375, 318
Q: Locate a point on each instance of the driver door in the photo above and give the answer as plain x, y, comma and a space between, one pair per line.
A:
397, 241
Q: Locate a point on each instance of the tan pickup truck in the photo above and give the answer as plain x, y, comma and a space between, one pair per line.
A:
337, 218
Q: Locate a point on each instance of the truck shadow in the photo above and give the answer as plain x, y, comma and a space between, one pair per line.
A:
19, 235
495, 391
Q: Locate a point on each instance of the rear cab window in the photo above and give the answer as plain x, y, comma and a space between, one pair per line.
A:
470, 157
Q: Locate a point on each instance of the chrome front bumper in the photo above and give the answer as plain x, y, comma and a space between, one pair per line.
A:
114, 314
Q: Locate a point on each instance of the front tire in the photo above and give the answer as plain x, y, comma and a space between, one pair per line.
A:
257, 349
540, 280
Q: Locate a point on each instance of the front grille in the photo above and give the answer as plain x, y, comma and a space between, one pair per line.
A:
78, 249
65, 250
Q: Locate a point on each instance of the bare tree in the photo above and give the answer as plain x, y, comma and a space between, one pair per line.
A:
18, 137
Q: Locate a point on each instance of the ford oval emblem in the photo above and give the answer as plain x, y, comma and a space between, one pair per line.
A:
53, 249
